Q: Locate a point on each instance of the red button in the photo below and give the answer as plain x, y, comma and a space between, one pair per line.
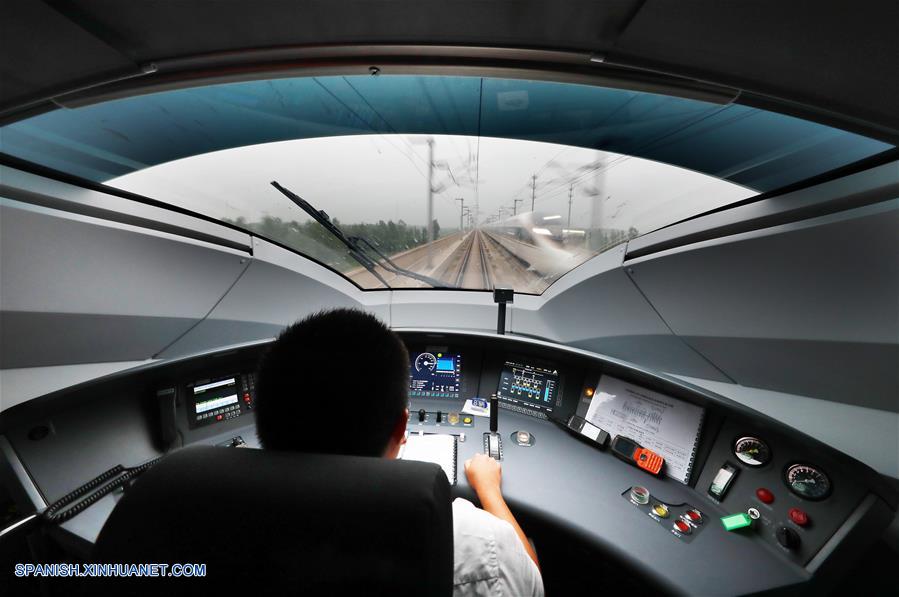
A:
218, 417
764, 495
694, 515
246, 396
798, 516
682, 526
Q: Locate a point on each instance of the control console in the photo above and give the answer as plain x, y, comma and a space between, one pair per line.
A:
774, 493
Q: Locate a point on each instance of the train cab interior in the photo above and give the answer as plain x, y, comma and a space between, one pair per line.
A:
645, 254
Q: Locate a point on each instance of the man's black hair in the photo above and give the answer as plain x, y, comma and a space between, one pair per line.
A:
335, 382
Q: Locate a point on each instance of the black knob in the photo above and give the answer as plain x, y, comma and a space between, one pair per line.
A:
421, 415
439, 416
787, 537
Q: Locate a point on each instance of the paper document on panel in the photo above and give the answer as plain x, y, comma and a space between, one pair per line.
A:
437, 448
667, 426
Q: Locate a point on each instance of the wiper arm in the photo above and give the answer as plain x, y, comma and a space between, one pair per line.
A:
323, 219
351, 243
394, 268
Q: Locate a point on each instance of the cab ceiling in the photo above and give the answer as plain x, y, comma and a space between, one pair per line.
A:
839, 60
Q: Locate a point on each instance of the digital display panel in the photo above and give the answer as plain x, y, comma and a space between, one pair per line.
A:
214, 395
215, 400
435, 374
529, 385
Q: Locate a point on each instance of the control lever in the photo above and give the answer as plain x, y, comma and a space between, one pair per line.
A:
493, 443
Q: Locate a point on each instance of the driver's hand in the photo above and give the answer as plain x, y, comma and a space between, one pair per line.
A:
484, 474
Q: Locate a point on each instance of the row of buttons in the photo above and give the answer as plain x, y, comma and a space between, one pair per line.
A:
688, 521
434, 394
525, 411
249, 384
796, 515
249, 388
217, 413
684, 525
441, 417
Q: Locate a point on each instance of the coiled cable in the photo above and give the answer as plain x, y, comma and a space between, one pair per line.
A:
84, 496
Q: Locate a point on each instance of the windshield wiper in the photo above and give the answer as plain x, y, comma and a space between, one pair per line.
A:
396, 269
352, 243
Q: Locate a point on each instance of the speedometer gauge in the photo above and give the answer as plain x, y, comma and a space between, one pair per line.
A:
752, 451
807, 481
426, 361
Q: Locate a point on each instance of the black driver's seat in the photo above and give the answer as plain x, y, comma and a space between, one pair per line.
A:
286, 523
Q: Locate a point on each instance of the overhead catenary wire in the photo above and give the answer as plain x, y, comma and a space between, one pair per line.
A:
403, 139
605, 166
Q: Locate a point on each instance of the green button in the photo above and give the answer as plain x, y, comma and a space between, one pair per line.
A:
732, 522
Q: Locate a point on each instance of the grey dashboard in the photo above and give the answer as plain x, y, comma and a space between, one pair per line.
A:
563, 487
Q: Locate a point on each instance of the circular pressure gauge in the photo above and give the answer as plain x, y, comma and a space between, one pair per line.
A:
752, 451
807, 481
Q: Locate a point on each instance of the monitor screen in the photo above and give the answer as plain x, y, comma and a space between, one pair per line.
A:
529, 385
435, 374
213, 400
214, 395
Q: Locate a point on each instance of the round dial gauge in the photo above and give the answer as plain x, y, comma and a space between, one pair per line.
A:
752, 451
426, 361
808, 482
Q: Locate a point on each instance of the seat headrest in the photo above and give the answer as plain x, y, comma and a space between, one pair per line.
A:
299, 523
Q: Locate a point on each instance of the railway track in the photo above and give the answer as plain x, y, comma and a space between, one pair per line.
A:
474, 269
475, 260
480, 262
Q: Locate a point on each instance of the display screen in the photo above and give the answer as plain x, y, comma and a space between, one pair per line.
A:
435, 374
529, 385
215, 400
215, 395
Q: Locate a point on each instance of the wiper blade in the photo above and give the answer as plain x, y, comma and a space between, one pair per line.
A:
352, 243
396, 269
322, 218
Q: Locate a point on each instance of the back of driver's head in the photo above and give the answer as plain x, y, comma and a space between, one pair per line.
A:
335, 382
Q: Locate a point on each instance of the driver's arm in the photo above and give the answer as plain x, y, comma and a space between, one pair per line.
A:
485, 477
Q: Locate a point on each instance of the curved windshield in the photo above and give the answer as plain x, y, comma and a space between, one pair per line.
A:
432, 181
503, 212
